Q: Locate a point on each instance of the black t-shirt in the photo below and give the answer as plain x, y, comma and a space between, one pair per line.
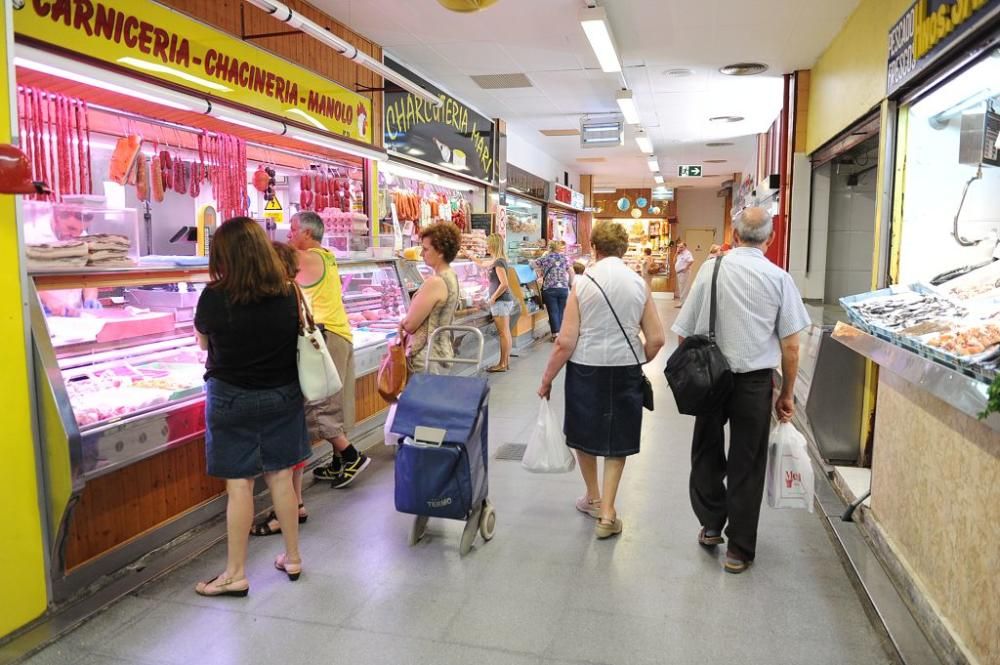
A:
251, 345
495, 280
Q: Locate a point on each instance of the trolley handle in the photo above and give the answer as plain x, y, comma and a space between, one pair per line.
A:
458, 361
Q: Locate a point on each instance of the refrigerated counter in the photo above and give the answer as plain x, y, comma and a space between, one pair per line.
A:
122, 418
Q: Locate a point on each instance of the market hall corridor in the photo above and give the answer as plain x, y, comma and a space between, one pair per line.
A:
543, 591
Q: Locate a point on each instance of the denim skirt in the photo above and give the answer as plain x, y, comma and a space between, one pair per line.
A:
603, 409
250, 432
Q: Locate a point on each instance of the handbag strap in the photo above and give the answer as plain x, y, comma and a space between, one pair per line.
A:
306, 323
712, 307
617, 320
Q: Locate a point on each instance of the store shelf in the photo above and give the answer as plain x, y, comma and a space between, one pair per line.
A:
962, 392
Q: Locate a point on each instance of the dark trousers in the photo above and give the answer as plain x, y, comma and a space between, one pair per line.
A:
748, 412
555, 305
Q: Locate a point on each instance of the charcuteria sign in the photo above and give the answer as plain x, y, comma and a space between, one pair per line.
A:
146, 37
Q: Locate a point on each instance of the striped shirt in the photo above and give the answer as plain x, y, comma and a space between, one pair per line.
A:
601, 342
758, 305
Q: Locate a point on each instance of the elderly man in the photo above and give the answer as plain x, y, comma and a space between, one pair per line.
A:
320, 282
760, 314
682, 268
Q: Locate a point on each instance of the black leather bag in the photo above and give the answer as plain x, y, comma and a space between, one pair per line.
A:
647, 386
698, 373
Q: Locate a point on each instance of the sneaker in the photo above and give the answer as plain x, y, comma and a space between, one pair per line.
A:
329, 471
350, 472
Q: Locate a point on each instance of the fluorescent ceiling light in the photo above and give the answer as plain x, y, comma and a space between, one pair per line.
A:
603, 190
403, 171
627, 104
313, 138
645, 145
308, 118
658, 179
157, 68
653, 164
71, 70
595, 24
248, 120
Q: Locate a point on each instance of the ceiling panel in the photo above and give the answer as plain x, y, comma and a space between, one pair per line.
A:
543, 39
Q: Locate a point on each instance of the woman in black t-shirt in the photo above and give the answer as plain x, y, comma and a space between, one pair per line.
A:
247, 319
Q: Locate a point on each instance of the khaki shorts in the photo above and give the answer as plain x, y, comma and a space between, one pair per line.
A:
328, 419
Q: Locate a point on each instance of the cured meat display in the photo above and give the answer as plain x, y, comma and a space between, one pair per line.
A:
474, 244
227, 159
55, 136
322, 188
123, 159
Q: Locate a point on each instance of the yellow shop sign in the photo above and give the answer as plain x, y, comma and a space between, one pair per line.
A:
146, 37
928, 28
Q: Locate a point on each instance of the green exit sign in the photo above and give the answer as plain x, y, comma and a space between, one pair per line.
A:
689, 170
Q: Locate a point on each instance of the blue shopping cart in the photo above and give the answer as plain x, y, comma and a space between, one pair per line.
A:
441, 462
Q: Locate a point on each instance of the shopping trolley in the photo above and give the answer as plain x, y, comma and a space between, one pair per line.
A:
441, 462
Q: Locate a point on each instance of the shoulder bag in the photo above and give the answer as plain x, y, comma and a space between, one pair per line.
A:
318, 376
647, 387
698, 372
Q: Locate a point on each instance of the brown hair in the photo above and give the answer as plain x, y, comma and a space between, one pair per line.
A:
445, 238
609, 239
243, 264
288, 256
579, 268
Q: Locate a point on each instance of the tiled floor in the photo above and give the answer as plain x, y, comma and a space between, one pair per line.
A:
543, 591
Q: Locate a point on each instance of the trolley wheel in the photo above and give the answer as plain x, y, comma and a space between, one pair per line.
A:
418, 529
488, 522
470, 531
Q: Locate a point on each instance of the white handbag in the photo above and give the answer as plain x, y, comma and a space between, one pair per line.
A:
318, 376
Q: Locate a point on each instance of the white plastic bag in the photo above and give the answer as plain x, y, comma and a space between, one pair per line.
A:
790, 482
391, 438
547, 451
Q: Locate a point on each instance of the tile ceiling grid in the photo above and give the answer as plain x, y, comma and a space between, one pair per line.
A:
543, 39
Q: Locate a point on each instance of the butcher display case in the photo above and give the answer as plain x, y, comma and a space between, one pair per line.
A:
124, 370
121, 419
376, 302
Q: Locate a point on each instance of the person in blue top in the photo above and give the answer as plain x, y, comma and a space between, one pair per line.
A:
557, 278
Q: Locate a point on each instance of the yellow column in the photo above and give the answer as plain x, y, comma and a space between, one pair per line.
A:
22, 558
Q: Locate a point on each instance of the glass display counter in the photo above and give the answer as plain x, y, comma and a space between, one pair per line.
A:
127, 376
376, 302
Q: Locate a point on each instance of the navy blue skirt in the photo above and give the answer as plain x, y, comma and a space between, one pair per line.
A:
250, 432
603, 409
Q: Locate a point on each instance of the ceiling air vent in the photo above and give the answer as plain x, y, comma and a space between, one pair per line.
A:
743, 69
560, 132
719, 144
606, 131
502, 81
591, 160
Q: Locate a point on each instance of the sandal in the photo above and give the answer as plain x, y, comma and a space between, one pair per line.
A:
263, 527
222, 588
497, 368
606, 529
293, 570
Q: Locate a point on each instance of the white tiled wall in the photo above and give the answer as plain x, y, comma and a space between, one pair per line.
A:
934, 182
851, 239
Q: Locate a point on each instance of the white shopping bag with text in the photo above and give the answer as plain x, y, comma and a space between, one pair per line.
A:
547, 451
790, 482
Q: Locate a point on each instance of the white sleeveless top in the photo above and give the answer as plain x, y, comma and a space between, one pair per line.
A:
601, 341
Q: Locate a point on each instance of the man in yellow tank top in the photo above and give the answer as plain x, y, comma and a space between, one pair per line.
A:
328, 420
